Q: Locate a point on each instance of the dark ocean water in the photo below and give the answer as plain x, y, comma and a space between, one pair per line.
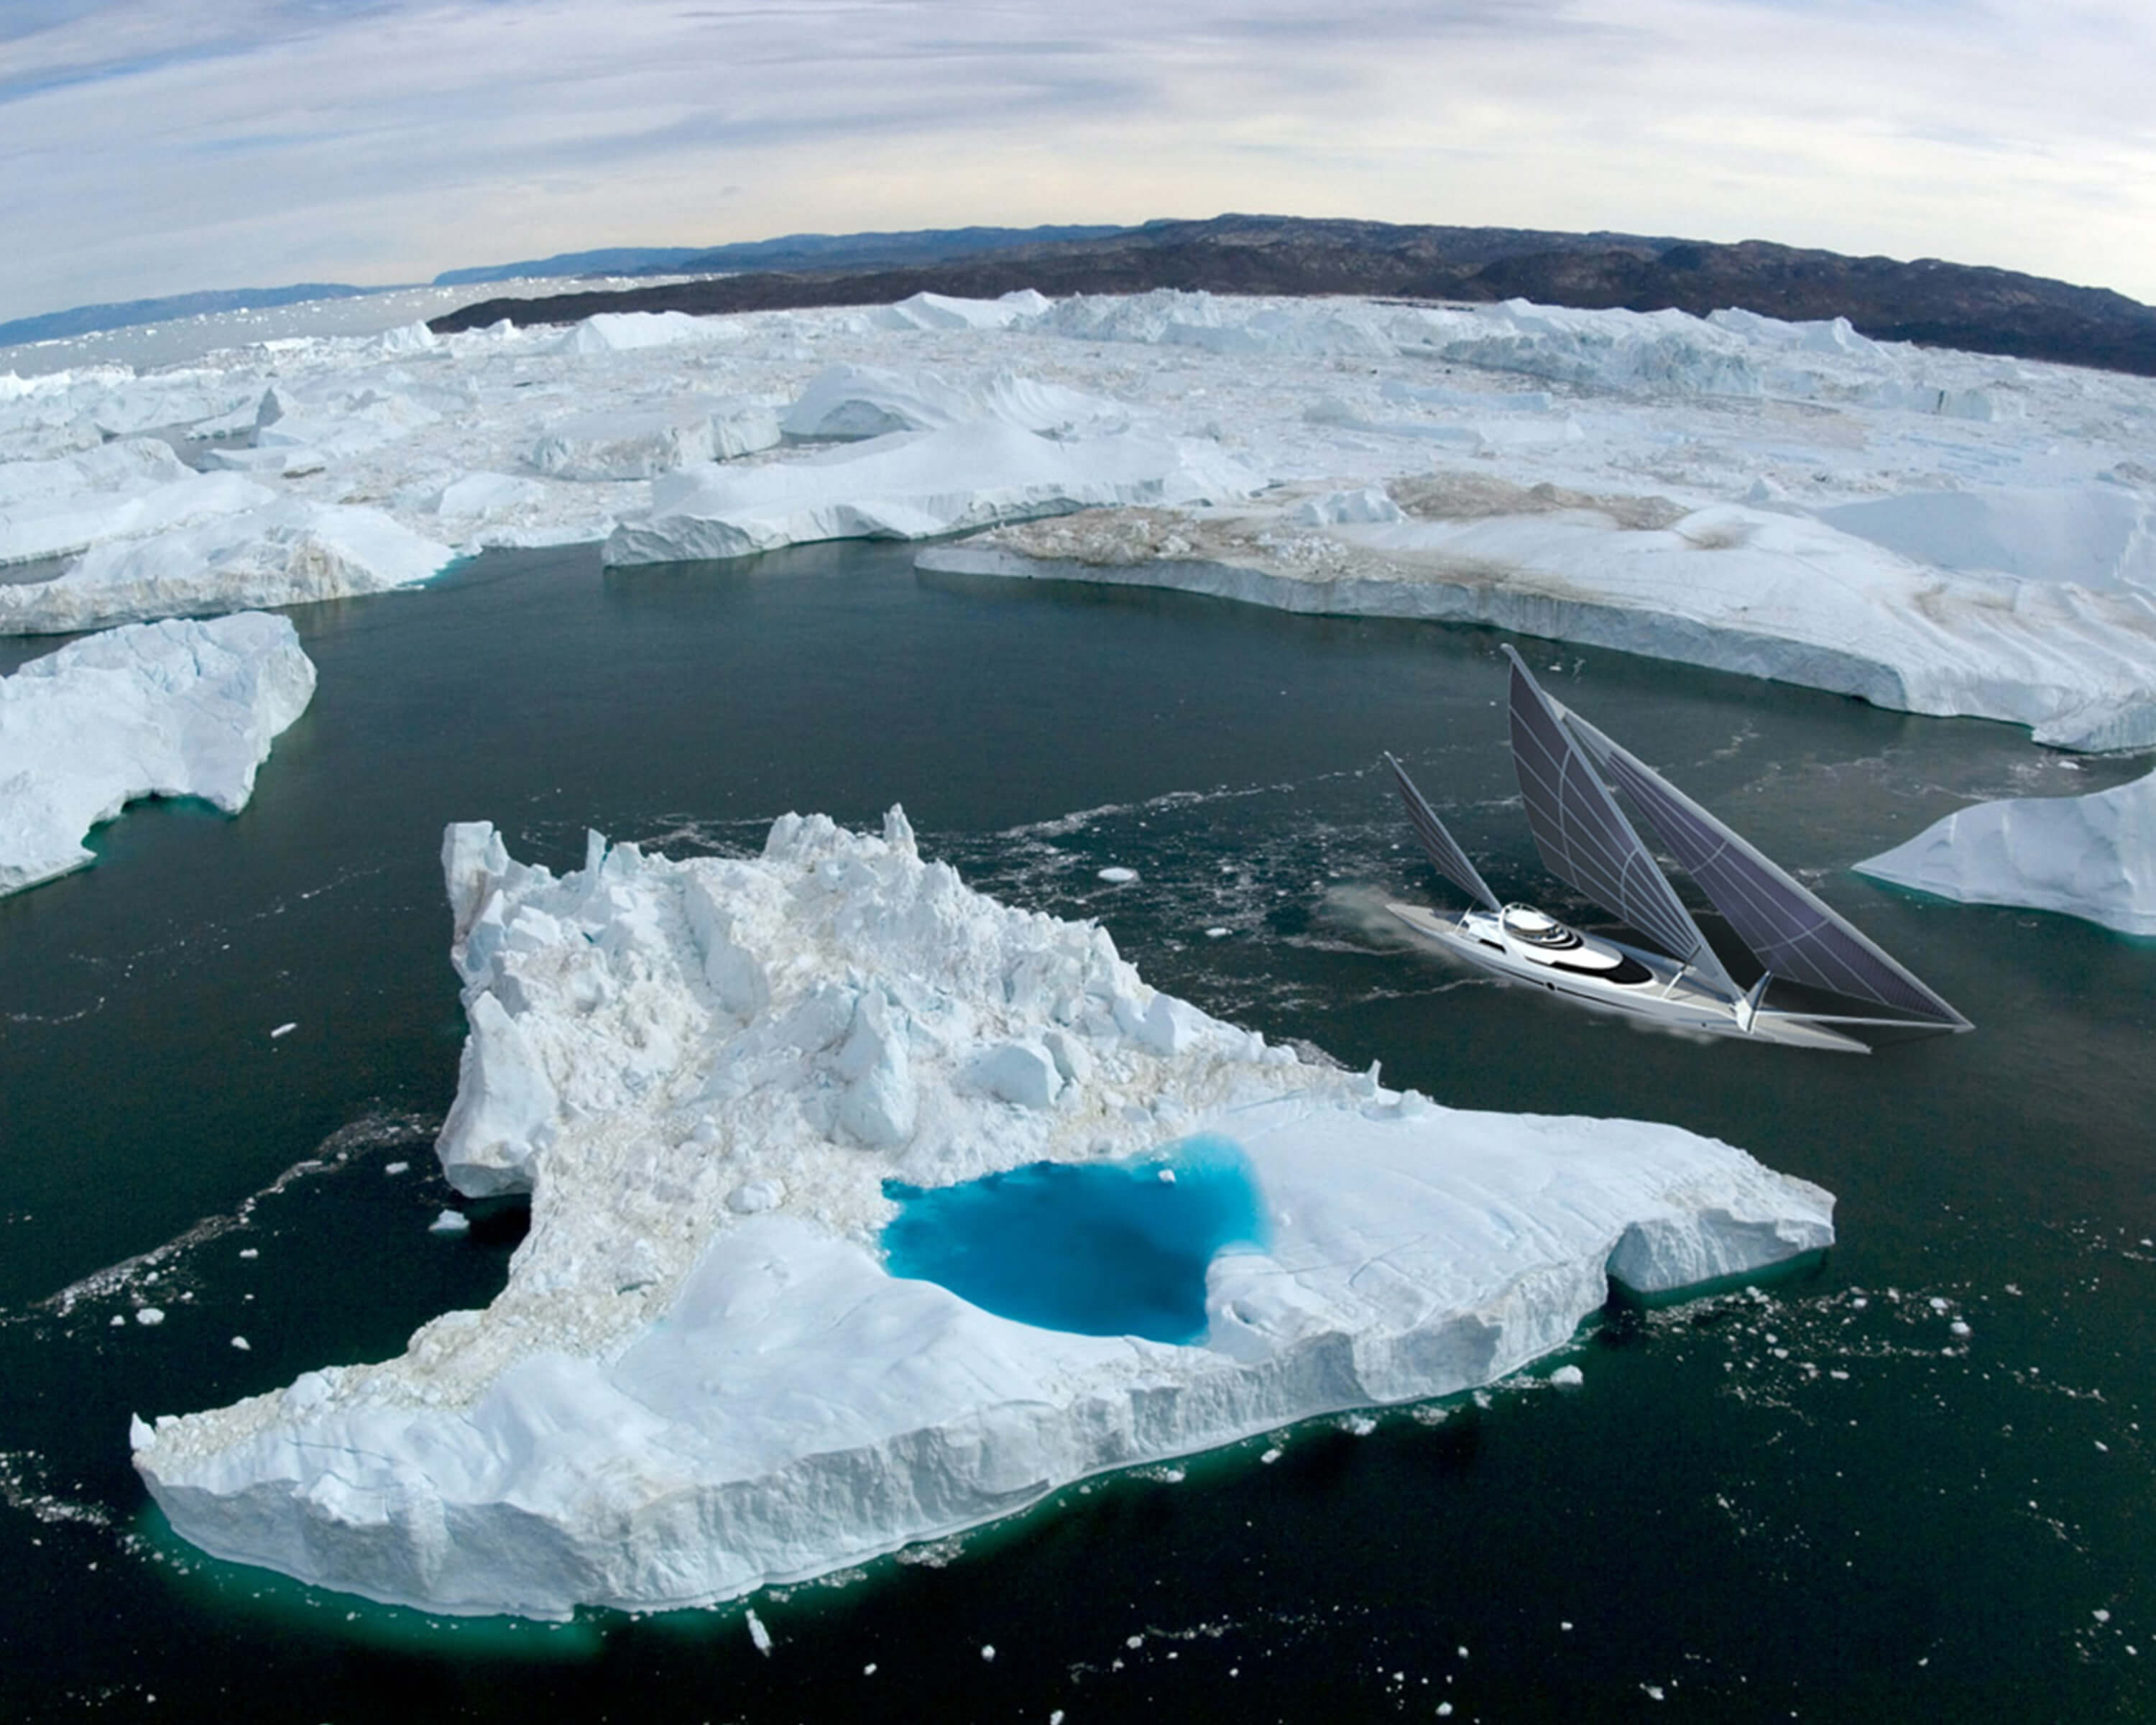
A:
1814, 1500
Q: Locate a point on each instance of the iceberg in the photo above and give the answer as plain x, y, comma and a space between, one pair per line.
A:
171, 709
1729, 586
635, 442
2092, 857
942, 312
627, 332
284, 553
703, 1376
917, 486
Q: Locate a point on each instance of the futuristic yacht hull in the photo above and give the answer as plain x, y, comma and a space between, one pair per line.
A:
1669, 995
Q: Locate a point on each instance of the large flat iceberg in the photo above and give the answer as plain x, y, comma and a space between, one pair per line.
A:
701, 1377
172, 709
2092, 857
1731, 586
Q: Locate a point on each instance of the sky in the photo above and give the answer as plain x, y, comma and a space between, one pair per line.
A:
158, 147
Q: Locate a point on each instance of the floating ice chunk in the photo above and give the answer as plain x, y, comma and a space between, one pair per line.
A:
941, 311
1568, 1377
242, 1344
450, 1222
636, 442
622, 331
1115, 874
169, 709
149, 1315
285, 1030
757, 1634
285, 553
916, 486
2092, 857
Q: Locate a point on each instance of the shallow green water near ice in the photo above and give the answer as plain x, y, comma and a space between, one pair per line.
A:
1820, 1501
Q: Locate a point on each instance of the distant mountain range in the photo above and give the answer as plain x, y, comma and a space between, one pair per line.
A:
1983, 311
1977, 309
793, 251
125, 314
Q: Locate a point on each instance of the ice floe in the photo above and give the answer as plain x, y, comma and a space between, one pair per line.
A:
701, 1377
170, 709
2092, 857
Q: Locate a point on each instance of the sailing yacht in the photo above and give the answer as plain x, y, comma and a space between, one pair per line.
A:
1567, 769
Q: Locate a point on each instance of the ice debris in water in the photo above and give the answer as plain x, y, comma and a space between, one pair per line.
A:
683, 1392
450, 1222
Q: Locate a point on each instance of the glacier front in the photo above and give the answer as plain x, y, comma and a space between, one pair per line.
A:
701, 1377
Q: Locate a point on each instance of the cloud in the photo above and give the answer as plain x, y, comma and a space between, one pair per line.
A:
154, 146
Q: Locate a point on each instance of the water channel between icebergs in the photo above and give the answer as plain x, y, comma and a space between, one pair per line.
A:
1822, 1499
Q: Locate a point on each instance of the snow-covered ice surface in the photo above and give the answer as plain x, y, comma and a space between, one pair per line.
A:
1934, 531
171, 709
700, 1377
2092, 857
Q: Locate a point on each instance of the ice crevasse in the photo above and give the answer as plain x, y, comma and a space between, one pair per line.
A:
701, 1377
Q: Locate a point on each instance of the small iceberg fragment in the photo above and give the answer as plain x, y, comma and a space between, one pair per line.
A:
713, 1367
2093, 856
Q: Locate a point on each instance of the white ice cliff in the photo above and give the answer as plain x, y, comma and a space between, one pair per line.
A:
701, 1377
171, 709
2093, 856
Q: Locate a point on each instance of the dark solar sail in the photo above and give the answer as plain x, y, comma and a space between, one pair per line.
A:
1794, 932
1444, 849
1583, 836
